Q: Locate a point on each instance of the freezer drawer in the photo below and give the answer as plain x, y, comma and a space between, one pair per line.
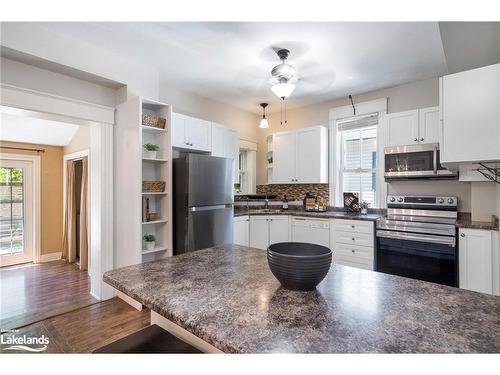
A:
204, 227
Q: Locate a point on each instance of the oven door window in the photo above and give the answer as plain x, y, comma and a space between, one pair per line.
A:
418, 260
410, 161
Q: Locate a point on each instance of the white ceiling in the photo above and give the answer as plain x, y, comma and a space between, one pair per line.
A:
24, 129
231, 62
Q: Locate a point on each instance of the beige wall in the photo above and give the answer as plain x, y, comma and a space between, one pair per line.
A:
51, 193
473, 197
400, 98
80, 141
197, 106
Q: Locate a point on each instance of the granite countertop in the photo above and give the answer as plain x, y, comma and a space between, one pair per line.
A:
466, 222
228, 297
320, 215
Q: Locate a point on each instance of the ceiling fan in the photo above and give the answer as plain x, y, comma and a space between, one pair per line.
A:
284, 76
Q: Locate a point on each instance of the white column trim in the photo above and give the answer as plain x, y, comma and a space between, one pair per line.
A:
41, 103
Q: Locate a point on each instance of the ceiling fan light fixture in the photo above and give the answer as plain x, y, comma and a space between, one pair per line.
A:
283, 90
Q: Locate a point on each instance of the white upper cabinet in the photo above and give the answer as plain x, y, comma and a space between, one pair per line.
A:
191, 133
226, 144
475, 260
199, 134
284, 149
401, 128
178, 130
428, 125
470, 115
301, 156
412, 127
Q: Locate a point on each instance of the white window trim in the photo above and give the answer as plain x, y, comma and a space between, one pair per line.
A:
339, 113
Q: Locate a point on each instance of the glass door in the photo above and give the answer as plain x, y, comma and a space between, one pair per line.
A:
16, 212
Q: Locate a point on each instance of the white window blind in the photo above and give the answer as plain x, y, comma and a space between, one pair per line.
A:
359, 156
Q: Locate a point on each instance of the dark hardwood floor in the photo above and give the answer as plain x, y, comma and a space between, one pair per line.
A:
88, 328
33, 292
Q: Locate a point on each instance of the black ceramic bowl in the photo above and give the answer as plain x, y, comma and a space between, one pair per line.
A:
298, 265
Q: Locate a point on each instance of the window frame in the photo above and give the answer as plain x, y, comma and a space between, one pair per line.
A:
342, 169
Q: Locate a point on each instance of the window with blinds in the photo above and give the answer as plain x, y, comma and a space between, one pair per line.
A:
358, 160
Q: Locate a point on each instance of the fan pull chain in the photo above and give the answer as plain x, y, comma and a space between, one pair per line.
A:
281, 113
285, 113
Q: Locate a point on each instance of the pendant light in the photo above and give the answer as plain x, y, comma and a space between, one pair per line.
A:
264, 124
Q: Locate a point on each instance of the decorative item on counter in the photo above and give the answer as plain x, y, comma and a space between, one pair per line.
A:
154, 121
151, 150
364, 207
149, 241
351, 202
153, 186
297, 265
309, 202
285, 204
321, 205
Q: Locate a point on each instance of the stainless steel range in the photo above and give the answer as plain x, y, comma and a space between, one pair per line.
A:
418, 239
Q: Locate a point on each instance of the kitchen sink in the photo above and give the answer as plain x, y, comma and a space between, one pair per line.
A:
265, 211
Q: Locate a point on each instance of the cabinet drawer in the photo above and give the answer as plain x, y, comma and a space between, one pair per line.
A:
353, 226
358, 252
353, 262
353, 238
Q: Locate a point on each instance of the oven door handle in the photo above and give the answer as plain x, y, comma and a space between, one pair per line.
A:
417, 237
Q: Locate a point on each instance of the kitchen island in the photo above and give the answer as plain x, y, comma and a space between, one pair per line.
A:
227, 298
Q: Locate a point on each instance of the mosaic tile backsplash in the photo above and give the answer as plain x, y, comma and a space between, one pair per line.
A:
294, 192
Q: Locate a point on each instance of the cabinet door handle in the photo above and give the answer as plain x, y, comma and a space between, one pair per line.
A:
353, 239
353, 226
421, 139
416, 139
353, 251
462, 235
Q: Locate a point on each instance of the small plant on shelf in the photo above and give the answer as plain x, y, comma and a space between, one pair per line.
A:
364, 207
151, 150
149, 240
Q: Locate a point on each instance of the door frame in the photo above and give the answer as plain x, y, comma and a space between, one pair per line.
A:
68, 157
100, 119
35, 159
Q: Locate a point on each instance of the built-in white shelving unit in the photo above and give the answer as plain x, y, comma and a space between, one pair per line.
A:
132, 166
269, 156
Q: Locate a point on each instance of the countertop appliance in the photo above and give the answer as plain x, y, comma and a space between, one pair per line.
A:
418, 239
415, 161
203, 202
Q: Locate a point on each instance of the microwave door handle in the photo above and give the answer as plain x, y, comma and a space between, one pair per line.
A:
434, 162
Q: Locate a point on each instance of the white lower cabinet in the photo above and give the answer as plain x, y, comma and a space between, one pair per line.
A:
353, 243
475, 260
241, 229
316, 231
268, 229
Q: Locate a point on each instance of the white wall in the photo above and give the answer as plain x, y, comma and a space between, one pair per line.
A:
80, 141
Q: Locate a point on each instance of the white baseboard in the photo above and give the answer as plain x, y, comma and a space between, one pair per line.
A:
132, 302
50, 257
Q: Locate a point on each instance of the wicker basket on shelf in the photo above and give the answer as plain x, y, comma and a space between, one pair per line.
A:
153, 186
154, 121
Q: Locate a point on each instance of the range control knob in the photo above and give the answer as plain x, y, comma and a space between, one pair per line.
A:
393, 199
451, 200
400, 199
440, 200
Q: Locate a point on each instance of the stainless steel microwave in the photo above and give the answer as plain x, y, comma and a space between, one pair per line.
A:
414, 161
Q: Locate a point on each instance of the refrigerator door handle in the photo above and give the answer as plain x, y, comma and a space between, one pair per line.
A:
209, 208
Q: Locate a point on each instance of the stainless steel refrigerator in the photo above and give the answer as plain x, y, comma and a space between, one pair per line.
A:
203, 202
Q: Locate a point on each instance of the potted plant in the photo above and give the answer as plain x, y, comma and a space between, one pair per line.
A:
149, 240
151, 150
364, 207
